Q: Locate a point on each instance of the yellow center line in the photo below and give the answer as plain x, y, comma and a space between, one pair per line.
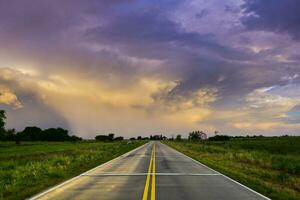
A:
153, 175
145, 195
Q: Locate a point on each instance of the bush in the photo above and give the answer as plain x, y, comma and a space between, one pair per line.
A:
119, 138
178, 137
219, 138
104, 138
197, 135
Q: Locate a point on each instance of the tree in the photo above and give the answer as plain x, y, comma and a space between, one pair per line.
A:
111, 136
178, 137
102, 138
5, 135
219, 138
119, 138
30, 134
75, 138
172, 137
139, 137
196, 135
106, 138
51, 134
56, 134
10, 135
2, 123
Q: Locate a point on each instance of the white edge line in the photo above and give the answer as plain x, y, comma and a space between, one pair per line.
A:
220, 174
84, 173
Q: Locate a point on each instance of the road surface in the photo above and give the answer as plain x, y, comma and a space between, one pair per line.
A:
153, 171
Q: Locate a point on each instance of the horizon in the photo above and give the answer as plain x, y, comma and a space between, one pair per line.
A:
138, 67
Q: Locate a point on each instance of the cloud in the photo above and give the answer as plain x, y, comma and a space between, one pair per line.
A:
276, 16
136, 66
24, 104
9, 98
91, 106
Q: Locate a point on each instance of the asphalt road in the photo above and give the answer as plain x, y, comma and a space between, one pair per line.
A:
153, 171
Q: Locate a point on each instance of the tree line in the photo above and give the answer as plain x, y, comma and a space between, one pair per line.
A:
108, 138
33, 133
200, 135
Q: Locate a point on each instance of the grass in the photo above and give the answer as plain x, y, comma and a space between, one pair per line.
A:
270, 166
31, 167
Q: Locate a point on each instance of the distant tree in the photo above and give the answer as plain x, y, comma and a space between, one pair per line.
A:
119, 138
111, 136
2, 124
139, 137
107, 138
75, 138
56, 134
5, 135
219, 138
132, 138
104, 138
10, 135
178, 137
157, 137
2, 119
30, 134
195, 135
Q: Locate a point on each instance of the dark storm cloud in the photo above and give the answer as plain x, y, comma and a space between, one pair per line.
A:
273, 15
152, 34
139, 29
200, 59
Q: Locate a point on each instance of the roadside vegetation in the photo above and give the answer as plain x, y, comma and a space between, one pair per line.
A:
269, 165
31, 167
34, 159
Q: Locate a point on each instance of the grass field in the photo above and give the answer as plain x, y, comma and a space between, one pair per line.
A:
31, 167
270, 166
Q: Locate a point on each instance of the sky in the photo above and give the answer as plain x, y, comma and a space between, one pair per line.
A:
140, 67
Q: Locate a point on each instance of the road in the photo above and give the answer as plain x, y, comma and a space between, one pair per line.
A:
153, 171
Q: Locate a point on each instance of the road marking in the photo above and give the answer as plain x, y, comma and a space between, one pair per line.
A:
153, 175
196, 161
83, 174
145, 194
146, 174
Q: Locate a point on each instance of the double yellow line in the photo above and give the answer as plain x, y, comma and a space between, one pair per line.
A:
151, 170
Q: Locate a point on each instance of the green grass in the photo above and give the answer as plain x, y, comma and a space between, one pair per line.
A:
31, 167
270, 166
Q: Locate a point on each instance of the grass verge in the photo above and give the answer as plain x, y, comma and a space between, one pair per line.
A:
31, 167
271, 166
